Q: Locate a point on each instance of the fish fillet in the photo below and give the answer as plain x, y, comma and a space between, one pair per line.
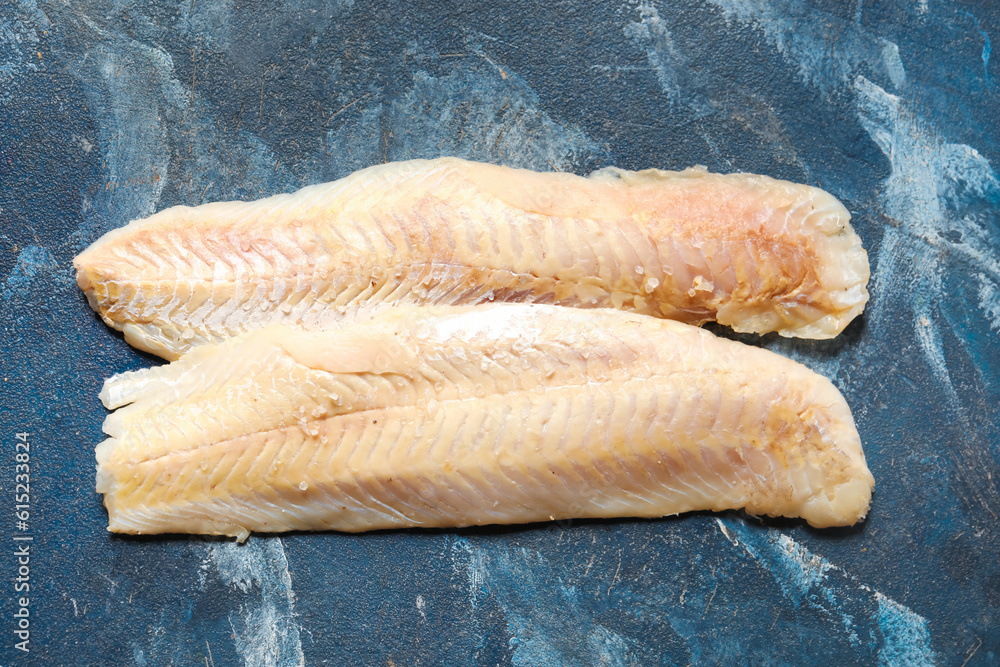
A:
752, 252
495, 414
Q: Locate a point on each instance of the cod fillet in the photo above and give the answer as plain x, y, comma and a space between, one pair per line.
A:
749, 251
458, 416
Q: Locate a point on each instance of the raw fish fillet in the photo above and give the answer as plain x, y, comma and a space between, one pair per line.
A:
495, 414
749, 251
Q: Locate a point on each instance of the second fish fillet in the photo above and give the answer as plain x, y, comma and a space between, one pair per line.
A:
444, 416
752, 252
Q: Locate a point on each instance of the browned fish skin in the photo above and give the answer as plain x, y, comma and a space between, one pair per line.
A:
504, 413
752, 252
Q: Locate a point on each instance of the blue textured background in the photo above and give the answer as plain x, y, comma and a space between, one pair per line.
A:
111, 110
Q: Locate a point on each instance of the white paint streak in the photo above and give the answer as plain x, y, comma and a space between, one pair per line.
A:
211, 24
479, 111
894, 65
131, 137
607, 647
266, 635
651, 34
929, 336
548, 621
989, 300
930, 178
85, 145
801, 575
806, 570
925, 191
146, 115
31, 261
907, 641
807, 580
827, 52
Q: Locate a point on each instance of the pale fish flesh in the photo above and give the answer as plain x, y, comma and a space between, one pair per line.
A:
752, 252
451, 416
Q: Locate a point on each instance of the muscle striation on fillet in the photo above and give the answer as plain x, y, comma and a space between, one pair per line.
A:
451, 416
751, 252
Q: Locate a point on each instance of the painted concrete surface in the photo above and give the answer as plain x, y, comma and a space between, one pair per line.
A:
112, 110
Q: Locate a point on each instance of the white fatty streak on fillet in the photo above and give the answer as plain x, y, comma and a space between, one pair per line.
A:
448, 416
752, 252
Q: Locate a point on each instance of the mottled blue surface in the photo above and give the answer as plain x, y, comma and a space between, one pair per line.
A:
111, 110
